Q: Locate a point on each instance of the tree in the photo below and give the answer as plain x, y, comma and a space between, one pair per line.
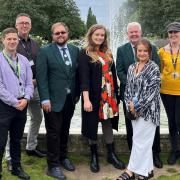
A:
91, 19
154, 15
43, 15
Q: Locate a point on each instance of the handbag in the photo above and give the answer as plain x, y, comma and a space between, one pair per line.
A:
130, 116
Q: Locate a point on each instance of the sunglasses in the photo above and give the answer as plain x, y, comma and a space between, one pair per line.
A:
170, 32
58, 33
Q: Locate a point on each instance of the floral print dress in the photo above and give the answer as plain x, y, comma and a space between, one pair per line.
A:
108, 102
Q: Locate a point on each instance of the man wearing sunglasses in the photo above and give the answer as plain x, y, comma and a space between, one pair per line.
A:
56, 77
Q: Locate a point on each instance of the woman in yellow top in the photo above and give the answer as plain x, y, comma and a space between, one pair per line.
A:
170, 86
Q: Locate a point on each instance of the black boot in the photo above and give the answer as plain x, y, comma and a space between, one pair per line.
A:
112, 158
94, 164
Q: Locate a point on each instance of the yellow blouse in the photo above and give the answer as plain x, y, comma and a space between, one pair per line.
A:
169, 84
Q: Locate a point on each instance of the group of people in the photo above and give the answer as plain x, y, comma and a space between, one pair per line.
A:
55, 76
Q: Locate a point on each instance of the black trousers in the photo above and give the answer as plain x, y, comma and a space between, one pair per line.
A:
57, 127
11, 120
156, 144
172, 108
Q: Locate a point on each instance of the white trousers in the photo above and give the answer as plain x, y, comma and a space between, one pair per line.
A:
141, 158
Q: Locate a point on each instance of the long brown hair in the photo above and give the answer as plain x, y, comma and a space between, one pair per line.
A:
90, 46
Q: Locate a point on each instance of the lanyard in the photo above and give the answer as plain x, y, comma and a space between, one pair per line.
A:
174, 61
15, 68
26, 49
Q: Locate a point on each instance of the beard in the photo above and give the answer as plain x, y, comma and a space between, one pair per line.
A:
62, 43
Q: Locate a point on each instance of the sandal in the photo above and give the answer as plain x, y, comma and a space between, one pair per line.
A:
151, 174
140, 177
126, 176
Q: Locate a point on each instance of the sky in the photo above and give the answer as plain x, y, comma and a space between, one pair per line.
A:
100, 8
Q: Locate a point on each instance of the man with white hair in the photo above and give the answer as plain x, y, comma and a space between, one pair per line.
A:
125, 57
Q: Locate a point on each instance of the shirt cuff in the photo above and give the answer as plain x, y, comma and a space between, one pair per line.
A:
27, 97
45, 101
14, 103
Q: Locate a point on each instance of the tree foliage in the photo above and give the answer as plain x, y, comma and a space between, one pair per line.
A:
91, 19
154, 15
43, 15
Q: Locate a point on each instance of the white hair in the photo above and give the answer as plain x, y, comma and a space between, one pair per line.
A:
132, 24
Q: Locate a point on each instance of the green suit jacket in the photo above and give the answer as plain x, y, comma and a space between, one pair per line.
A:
52, 77
125, 57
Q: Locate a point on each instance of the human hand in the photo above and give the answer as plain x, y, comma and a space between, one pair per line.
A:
88, 106
22, 103
131, 107
46, 107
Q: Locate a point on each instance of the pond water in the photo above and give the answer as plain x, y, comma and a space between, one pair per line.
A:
76, 121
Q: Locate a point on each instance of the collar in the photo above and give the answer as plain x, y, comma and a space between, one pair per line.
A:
10, 56
62, 47
132, 45
22, 39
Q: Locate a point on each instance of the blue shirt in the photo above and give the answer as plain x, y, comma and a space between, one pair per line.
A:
66, 50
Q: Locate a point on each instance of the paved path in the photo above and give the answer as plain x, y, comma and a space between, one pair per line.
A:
108, 172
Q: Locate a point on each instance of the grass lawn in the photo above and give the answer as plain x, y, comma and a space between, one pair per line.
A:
36, 167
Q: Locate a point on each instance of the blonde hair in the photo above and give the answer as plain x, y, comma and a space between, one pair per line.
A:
90, 46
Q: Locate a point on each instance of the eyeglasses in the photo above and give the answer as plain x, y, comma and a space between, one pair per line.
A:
170, 32
58, 33
24, 23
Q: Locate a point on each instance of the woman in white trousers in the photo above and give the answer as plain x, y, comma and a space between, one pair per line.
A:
142, 98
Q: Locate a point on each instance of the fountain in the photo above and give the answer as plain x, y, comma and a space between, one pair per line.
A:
117, 29
118, 23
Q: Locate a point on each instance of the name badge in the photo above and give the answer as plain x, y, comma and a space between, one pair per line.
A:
21, 91
31, 62
175, 75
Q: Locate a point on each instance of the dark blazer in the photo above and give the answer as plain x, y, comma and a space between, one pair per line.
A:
125, 57
90, 77
52, 77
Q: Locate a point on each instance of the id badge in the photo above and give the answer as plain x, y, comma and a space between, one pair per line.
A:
21, 91
175, 75
31, 62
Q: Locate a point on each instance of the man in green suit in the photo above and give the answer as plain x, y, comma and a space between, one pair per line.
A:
56, 78
125, 57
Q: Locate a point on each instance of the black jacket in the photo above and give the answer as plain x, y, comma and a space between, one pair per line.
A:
90, 76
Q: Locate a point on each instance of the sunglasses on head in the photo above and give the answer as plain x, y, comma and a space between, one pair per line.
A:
58, 33
170, 32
